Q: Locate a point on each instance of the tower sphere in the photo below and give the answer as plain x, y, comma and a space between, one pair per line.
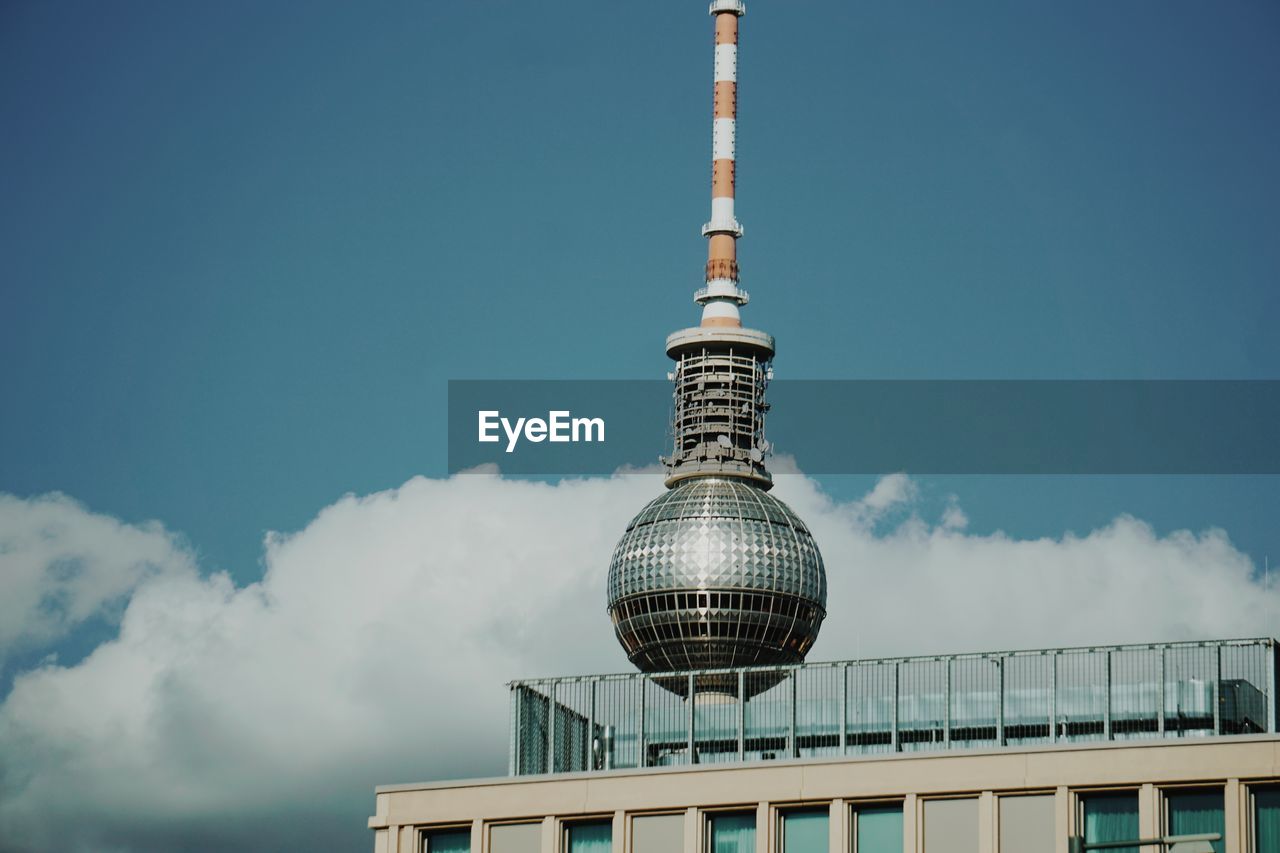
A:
716, 573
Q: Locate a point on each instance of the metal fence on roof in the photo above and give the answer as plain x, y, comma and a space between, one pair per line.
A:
864, 707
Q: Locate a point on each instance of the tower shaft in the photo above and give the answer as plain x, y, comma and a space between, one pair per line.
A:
721, 297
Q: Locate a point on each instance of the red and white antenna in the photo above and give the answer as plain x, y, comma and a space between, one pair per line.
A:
721, 297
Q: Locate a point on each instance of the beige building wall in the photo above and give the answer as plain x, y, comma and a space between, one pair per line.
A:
994, 787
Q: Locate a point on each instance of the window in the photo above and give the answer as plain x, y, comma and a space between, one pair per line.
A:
951, 826
1027, 824
732, 833
1266, 820
1110, 817
659, 833
515, 838
877, 829
1194, 813
805, 831
447, 841
595, 836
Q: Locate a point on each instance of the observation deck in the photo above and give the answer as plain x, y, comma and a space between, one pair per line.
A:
987, 700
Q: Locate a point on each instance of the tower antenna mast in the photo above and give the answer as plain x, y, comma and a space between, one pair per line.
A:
721, 297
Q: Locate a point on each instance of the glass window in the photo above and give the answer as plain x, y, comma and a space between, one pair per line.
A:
1110, 817
1196, 812
805, 830
733, 833
658, 833
1027, 824
951, 826
594, 836
877, 829
447, 841
1266, 820
515, 838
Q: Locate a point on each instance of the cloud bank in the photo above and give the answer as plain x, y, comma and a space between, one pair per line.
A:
377, 644
63, 565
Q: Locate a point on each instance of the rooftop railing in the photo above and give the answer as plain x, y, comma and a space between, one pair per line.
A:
891, 705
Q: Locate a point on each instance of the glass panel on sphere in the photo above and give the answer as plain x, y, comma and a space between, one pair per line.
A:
1111, 817
733, 833
878, 829
1195, 813
805, 831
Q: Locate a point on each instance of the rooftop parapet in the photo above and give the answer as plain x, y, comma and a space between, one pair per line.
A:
946, 702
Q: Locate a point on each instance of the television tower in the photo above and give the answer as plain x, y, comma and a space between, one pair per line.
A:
716, 572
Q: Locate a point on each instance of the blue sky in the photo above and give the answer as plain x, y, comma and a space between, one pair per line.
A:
244, 246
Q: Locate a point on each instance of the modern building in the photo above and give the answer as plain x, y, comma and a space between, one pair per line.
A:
1009, 752
726, 741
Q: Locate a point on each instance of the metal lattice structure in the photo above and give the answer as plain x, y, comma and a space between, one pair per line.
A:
719, 405
891, 705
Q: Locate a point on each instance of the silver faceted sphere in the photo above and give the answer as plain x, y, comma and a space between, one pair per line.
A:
716, 573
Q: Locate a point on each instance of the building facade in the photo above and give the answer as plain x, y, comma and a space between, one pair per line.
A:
998, 752
1022, 800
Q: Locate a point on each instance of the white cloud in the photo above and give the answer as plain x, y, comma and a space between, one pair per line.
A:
953, 517
61, 565
924, 587
889, 492
376, 647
